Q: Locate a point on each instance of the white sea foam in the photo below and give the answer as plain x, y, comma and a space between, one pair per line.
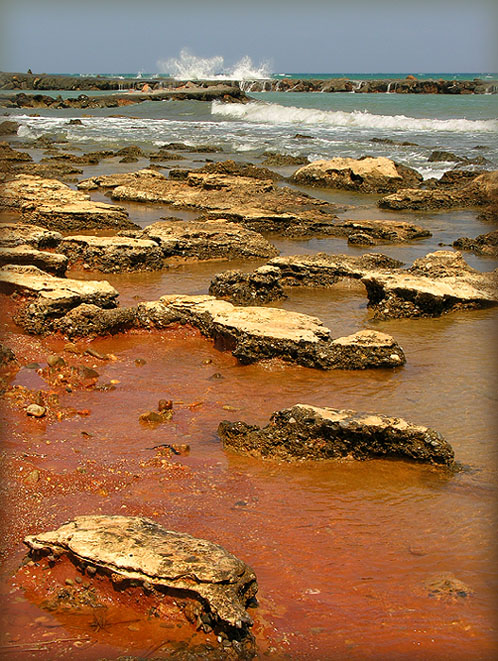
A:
272, 113
190, 67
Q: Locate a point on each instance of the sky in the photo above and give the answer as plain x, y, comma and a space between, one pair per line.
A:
90, 36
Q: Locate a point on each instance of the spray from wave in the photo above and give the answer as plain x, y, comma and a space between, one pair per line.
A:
272, 113
190, 67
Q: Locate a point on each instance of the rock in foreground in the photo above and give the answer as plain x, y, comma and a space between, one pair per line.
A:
253, 334
139, 550
310, 432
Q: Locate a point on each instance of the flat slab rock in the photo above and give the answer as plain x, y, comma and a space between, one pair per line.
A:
113, 254
51, 297
437, 283
50, 203
311, 432
267, 282
137, 549
254, 333
23, 234
47, 261
257, 204
212, 239
367, 175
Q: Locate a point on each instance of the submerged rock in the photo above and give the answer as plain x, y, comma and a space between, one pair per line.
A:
437, 283
140, 551
366, 175
113, 254
253, 334
311, 432
50, 203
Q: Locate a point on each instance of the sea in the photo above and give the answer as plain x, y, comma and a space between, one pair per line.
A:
335, 124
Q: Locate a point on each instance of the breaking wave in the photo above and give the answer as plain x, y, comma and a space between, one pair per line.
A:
272, 113
190, 67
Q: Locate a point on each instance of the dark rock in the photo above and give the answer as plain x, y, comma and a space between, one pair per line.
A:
310, 432
6, 355
484, 244
274, 159
8, 127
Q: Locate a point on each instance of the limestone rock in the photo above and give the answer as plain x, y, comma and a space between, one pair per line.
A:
50, 203
113, 254
438, 283
19, 234
87, 320
215, 239
253, 334
47, 261
140, 550
367, 175
484, 244
311, 432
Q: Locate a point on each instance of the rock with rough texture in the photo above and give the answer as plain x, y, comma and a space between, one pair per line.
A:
46, 261
212, 239
138, 550
366, 175
113, 254
480, 190
8, 127
19, 234
253, 334
49, 297
484, 244
438, 283
50, 203
256, 204
6, 355
87, 320
267, 283
310, 432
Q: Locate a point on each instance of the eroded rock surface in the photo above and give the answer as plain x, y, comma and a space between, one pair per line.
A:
50, 298
50, 262
254, 333
311, 432
216, 239
267, 283
113, 254
19, 234
139, 550
484, 244
366, 175
50, 203
437, 283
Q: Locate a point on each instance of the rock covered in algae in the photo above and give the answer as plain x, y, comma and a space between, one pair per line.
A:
311, 432
137, 549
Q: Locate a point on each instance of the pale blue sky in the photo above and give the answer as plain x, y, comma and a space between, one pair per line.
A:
305, 36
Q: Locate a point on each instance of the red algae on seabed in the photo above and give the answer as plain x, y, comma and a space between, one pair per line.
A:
343, 551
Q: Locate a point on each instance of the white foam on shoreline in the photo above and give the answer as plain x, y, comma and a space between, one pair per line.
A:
272, 113
190, 67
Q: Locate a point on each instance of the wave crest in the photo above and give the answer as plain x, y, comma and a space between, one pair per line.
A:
190, 67
272, 113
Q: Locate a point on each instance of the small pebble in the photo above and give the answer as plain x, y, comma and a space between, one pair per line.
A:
69, 581
36, 411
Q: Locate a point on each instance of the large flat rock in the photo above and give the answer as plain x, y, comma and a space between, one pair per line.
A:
438, 283
24, 234
254, 333
50, 297
311, 432
50, 203
46, 261
136, 549
113, 254
257, 204
367, 175
212, 239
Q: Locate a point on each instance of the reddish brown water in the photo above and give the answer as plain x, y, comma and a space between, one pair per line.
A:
342, 550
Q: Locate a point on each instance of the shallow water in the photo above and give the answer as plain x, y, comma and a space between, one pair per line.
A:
342, 550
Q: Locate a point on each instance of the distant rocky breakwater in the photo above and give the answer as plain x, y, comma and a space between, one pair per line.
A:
408, 85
